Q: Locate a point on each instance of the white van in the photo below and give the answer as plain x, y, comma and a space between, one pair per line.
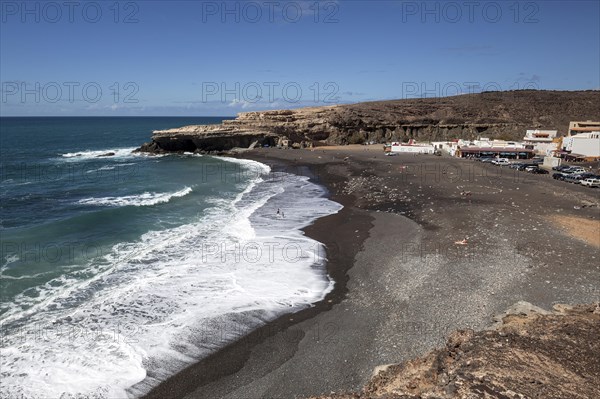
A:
501, 161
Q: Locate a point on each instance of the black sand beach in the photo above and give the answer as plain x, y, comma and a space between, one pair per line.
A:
424, 245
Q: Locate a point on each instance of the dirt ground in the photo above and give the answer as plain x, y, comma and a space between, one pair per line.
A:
424, 246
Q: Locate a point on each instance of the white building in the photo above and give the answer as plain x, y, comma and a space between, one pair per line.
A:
448, 146
576, 128
541, 141
486, 142
413, 148
585, 144
582, 141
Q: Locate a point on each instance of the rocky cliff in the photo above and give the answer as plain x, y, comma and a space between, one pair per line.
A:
532, 354
503, 115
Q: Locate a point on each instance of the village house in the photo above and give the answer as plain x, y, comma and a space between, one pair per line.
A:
410, 147
542, 142
484, 147
582, 142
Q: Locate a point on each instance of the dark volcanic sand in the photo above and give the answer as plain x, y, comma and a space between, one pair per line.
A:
402, 284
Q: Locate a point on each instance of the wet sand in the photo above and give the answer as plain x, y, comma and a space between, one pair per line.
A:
424, 245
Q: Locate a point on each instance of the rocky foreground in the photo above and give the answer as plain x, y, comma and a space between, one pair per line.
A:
504, 115
532, 354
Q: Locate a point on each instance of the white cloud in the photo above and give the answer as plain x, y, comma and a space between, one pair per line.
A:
241, 104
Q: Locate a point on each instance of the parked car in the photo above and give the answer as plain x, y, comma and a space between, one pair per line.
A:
574, 170
515, 165
538, 171
501, 161
537, 161
573, 178
560, 168
558, 176
591, 182
391, 154
486, 160
526, 165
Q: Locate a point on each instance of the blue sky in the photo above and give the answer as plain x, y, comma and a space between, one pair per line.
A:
219, 58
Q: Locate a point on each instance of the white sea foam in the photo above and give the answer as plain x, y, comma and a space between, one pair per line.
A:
8, 259
25, 277
98, 154
152, 307
110, 167
101, 169
145, 199
192, 154
258, 167
11, 182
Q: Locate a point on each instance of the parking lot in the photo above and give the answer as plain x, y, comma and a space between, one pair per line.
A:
584, 175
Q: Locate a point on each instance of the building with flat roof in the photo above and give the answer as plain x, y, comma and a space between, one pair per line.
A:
576, 128
411, 147
583, 146
542, 142
484, 147
498, 152
448, 146
582, 142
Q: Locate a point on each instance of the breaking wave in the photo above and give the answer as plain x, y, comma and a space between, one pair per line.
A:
145, 199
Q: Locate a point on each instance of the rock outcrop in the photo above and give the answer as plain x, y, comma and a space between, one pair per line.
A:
531, 354
503, 115
207, 138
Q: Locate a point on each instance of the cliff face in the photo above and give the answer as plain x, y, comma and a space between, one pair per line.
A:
493, 114
531, 354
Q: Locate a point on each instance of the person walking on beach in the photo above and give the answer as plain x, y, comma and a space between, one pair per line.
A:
278, 211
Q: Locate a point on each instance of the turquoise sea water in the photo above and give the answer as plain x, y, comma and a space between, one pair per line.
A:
118, 269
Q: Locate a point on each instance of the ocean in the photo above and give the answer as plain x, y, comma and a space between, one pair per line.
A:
120, 269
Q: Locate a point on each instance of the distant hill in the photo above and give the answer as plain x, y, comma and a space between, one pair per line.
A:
505, 115
494, 114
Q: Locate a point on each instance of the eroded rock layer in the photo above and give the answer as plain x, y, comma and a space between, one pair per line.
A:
504, 115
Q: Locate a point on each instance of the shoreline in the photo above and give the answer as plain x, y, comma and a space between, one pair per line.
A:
231, 358
401, 284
